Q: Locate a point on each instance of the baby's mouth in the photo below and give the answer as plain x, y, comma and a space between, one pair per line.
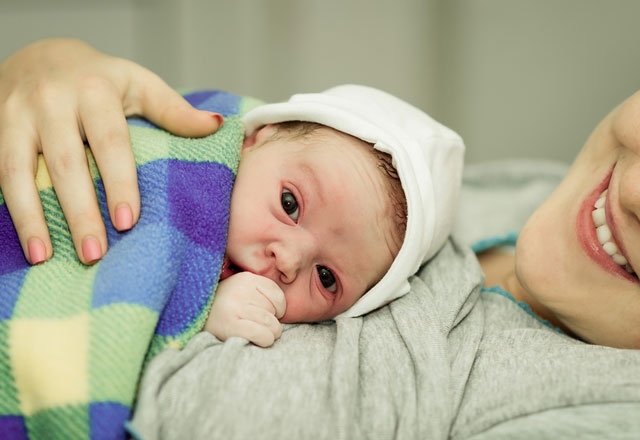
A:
605, 236
228, 269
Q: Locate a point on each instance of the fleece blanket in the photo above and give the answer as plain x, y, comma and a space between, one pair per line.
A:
74, 338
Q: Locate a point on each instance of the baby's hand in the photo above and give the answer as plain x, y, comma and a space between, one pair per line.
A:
248, 306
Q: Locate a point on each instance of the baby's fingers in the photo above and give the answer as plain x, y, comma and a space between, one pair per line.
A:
272, 292
259, 327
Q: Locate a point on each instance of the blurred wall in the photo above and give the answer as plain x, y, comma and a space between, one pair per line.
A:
516, 78
533, 77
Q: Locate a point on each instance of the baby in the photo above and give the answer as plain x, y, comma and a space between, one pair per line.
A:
340, 196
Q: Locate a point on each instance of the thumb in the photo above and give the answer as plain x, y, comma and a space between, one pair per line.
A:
159, 103
274, 294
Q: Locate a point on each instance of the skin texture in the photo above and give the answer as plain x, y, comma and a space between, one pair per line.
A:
560, 267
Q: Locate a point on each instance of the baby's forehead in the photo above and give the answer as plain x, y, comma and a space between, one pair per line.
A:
324, 136
368, 184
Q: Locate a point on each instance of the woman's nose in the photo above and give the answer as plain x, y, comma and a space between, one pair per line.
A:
629, 190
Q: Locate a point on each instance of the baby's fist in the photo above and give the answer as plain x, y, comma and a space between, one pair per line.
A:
247, 305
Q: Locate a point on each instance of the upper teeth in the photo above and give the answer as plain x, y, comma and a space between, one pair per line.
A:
605, 237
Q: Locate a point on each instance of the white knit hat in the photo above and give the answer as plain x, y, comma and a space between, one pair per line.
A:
427, 155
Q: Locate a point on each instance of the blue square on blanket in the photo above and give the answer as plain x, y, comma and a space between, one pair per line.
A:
210, 100
13, 265
140, 268
13, 427
107, 419
215, 101
141, 261
199, 273
152, 181
199, 195
11, 285
11, 257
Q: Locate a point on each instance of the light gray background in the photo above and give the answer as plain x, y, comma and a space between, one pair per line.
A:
516, 78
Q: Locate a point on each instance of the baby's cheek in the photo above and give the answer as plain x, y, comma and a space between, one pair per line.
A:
290, 316
301, 308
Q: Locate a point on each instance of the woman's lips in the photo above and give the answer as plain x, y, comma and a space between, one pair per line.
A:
593, 236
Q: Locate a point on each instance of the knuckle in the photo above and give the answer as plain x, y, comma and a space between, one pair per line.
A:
114, 137
10, 104
9, 167
45, 95
65, 162
93, 88
267, 319
264, 339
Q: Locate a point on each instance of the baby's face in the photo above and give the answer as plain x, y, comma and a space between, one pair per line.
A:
313, 216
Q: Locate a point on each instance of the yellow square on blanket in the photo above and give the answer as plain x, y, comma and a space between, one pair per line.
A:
49, 359
43, 180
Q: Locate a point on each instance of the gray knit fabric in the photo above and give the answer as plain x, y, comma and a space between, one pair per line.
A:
443, 362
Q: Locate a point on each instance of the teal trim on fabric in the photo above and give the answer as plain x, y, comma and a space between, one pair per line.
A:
523, 305
508, 239
132, 431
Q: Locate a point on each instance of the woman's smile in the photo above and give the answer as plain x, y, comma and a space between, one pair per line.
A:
605, 234
597, 234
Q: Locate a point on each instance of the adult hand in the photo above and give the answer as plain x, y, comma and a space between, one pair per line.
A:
54, 95
247, 305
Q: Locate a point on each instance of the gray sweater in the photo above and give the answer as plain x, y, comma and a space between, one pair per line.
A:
443, 362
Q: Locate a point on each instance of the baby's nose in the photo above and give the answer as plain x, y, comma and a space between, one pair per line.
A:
293, 256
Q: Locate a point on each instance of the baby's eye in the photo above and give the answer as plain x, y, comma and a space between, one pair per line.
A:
290, 205
327, 279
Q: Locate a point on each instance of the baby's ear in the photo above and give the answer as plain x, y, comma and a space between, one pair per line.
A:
259, 136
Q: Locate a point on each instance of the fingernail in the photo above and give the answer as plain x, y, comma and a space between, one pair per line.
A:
124, 218
37, 251
218, 117
91, 250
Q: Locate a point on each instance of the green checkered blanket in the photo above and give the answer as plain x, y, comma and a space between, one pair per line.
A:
74, 338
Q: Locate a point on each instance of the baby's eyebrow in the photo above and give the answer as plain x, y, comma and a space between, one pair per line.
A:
316, 182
